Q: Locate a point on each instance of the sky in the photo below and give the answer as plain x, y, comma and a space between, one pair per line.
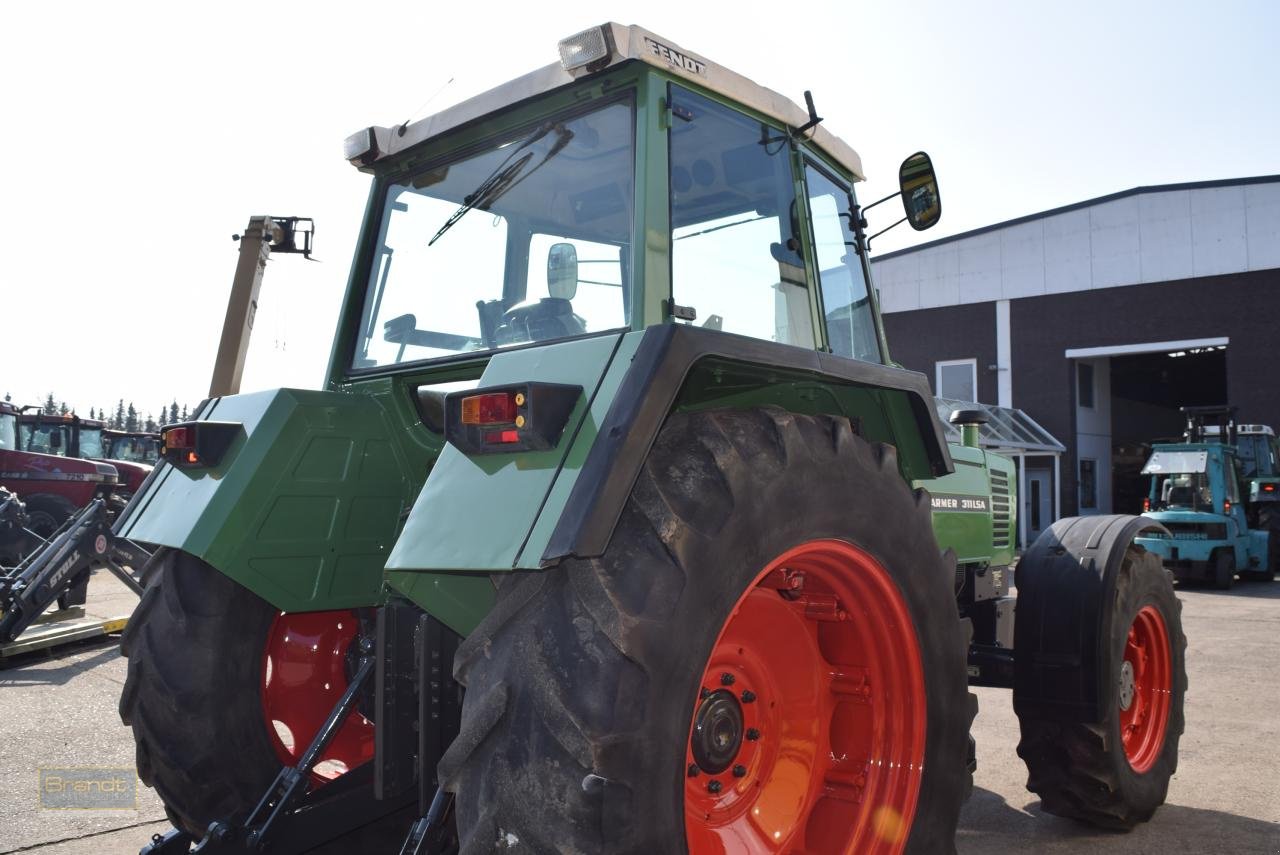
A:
136, 138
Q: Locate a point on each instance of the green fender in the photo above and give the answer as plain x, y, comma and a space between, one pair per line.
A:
304, 507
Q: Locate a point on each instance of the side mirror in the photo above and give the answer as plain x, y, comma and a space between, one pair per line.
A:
562, 271
920, 197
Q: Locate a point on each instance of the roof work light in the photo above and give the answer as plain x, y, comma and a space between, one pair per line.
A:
584, 48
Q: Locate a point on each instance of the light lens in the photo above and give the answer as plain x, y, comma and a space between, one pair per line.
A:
179, 437
583, 48
491, 409
1146, 505
1226, 506
501, 437
359, 146
1268, 488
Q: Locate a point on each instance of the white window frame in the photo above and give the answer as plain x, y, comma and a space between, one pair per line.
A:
946, 363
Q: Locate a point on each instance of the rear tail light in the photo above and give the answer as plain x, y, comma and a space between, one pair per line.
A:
1146, 505
195, 444
1268, 488
1226, 506
520, 417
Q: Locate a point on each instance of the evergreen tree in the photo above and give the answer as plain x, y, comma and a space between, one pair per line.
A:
184, 413
131, 420
118, 421
8, 397
63, 409
50, 406
91, 412
150, 425
173, 411
163, 410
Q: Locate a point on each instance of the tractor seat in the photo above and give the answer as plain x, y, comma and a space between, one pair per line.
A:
539, 320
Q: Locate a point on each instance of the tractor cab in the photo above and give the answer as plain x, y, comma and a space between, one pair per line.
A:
73, 436
628, 187
1195, 493
131, 446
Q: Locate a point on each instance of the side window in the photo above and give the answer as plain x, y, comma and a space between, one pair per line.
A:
958, 380
598, 297
735, 255
851, 327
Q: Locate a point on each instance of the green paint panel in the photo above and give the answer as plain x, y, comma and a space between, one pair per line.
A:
977, 536
304, 507
474, 513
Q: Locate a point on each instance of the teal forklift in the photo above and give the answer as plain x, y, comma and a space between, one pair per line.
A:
1215, 529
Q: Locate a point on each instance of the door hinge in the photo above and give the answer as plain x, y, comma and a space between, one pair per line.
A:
681, 313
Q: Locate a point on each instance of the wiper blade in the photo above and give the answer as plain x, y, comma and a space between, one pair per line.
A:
507, 174
492, 187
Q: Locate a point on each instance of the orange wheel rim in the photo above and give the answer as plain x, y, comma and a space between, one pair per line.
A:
1146, 689
808, 733
304, 673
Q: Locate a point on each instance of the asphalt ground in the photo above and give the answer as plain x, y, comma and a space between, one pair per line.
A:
60, 711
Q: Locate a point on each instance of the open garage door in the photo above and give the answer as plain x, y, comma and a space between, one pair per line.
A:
1128, 397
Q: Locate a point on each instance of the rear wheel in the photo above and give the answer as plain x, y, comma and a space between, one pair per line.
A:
767, 658
1115, 773
1224, 569
223, 689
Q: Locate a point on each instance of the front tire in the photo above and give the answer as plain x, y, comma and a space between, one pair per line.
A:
588, 685
1115, 773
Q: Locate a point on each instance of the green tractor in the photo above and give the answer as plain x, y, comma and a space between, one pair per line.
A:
615, 529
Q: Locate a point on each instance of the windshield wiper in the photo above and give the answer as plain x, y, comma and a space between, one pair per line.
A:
507, 174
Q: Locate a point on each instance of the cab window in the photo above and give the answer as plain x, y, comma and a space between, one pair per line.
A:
851, 326
735, 248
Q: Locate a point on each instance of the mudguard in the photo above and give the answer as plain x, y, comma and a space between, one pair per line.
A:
1065, 588
303, 508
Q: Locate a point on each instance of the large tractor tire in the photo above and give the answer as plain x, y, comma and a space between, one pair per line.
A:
45, 513
223, 689
1115, 773
767, 658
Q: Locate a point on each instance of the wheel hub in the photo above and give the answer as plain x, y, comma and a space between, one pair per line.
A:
717, 732
1127, 685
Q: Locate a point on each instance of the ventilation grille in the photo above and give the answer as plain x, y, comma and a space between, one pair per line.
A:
1000, 510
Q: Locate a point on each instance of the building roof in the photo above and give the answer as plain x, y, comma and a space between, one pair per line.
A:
1075, 206
1007, 429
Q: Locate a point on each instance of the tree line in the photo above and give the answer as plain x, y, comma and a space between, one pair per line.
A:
123, 417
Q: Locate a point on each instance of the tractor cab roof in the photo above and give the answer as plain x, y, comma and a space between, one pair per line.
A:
57, 418
7, 409
586, 54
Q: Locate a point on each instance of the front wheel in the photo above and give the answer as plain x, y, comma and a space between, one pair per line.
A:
1115, 773
767, 658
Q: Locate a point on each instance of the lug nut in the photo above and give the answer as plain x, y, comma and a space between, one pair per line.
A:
748, 696
727, 679
753, 734
739, 771
694, 771
714, 786
704, 693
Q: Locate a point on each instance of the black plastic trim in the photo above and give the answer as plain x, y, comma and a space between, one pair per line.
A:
658, 370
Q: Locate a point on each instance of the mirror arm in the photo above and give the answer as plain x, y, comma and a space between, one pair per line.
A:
882, 231
892, 195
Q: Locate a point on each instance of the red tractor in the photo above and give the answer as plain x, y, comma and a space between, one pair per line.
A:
52, 484
131, 446
73, 436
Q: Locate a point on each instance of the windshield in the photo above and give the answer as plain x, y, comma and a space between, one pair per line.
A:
8, 437
135, 449
526, 240
91, 442
1187, 490
39, 438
